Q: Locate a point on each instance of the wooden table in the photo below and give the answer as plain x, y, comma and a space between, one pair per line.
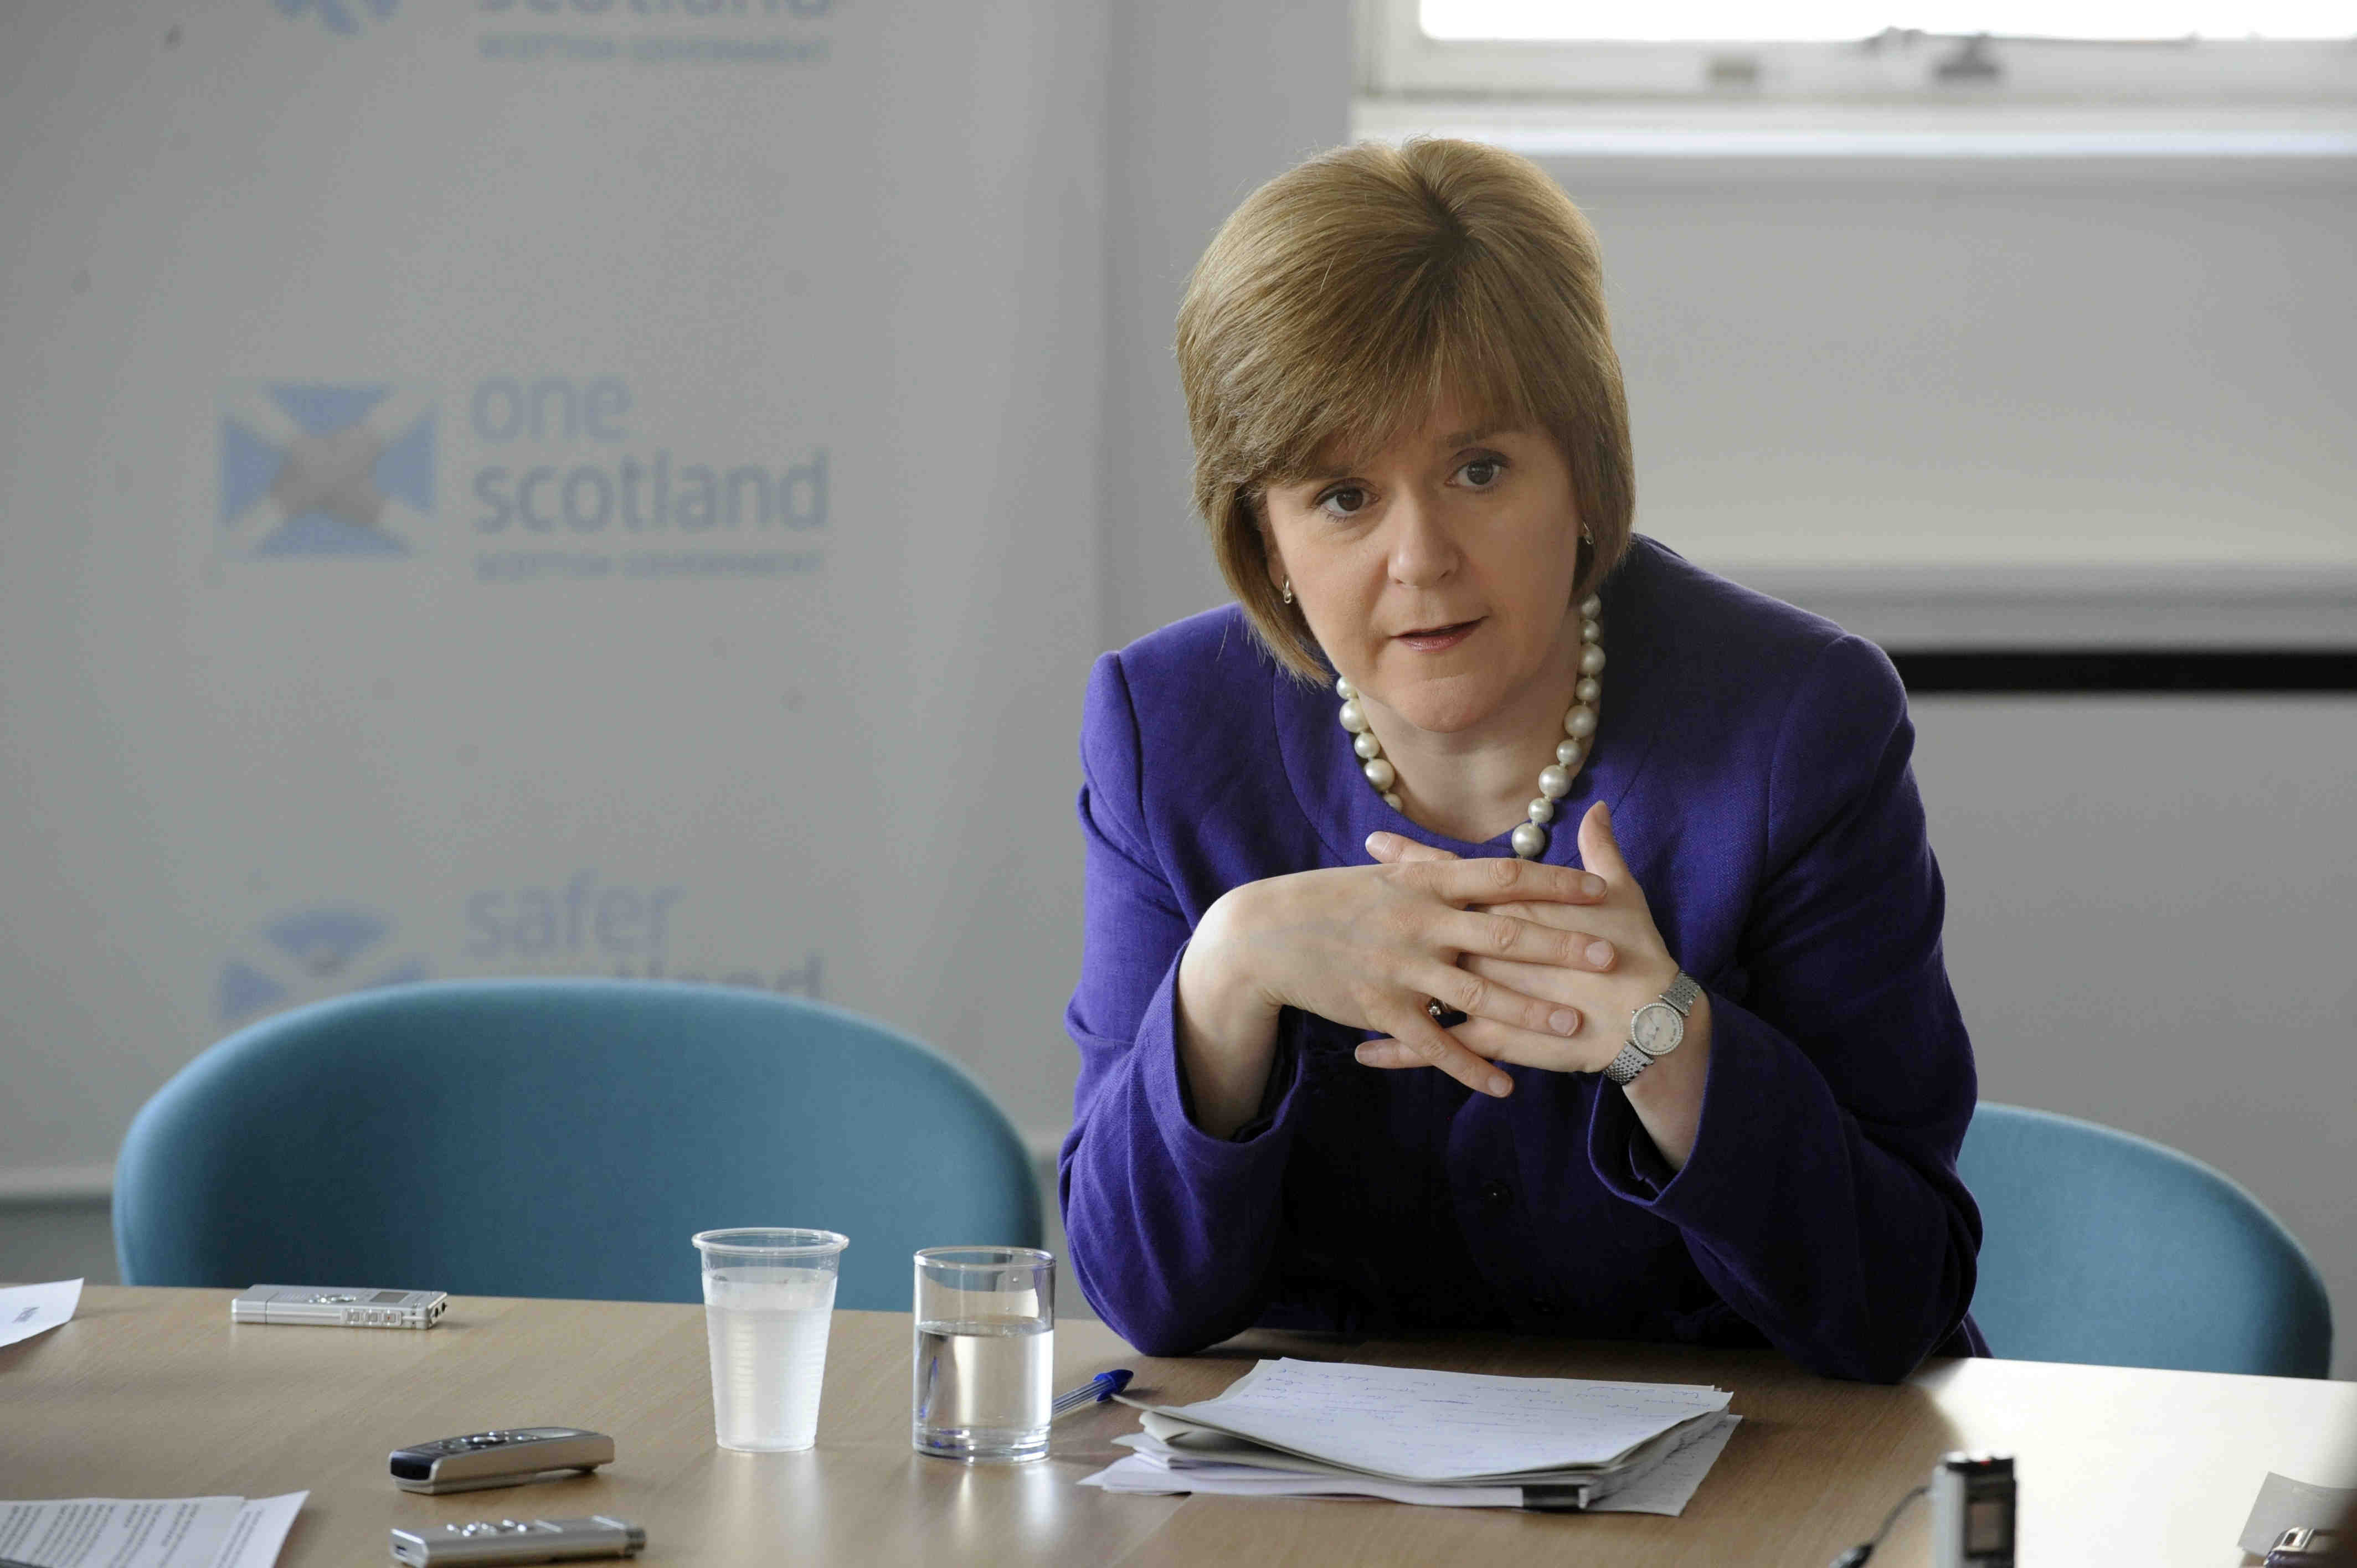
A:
154, 1393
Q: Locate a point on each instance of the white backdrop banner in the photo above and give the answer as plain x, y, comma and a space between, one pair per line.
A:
510, 486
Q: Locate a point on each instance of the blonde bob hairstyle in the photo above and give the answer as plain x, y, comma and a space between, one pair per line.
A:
1348, 298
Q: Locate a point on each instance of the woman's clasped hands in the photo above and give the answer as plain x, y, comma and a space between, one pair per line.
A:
1542, 960
1620, 963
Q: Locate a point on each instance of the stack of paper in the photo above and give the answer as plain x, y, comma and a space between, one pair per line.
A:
1298, 1429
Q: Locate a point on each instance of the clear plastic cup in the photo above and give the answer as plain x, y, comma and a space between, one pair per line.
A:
768, 1297
985, 1351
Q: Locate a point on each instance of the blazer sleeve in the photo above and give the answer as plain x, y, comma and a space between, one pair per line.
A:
1171, 1232
1821, 1199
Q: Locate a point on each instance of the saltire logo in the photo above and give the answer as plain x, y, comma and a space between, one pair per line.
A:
312, 469
336, 16
307, 955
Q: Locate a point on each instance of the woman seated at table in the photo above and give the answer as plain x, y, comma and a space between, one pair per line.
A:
1437, 975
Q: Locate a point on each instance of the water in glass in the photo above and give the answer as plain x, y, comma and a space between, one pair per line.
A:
983, 1388
768, 1327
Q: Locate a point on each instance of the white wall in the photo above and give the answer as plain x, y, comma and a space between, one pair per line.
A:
2151, 905
2075, 367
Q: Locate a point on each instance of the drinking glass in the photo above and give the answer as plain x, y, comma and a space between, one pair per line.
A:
768, 1296
985, 1350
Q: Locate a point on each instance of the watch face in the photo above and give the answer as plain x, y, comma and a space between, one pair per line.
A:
1657, 1028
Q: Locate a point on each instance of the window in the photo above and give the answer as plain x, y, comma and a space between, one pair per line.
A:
2031, 52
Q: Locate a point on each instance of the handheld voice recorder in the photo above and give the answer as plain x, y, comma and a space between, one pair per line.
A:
505, 1458
1971, 1512
517, 1540
339, 1307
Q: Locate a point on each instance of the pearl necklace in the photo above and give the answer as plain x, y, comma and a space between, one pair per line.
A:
1555, 782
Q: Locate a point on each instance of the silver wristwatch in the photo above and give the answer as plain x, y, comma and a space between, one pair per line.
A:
1656, 1029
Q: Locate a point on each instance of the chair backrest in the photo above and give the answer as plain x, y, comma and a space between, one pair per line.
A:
2103, 1247
560, 1138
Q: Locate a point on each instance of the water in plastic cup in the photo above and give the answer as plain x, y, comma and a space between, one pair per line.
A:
768, 1296
985, 1352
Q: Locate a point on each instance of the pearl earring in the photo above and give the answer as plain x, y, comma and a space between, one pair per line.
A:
1288, 590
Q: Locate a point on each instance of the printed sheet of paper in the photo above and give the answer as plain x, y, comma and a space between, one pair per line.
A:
148, 1532
1413, 1424
28, 1310
259, 1531
118, 1532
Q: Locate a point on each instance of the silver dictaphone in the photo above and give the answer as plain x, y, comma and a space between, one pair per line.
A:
338, 1307
510, 1457
1971, 1512
518, 1541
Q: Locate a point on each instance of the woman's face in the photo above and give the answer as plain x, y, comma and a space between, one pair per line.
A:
1436, 574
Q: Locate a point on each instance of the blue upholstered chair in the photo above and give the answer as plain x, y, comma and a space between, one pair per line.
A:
559, 1138
2105, 1247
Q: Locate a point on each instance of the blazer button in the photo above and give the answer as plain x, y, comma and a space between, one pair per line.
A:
1496, 1195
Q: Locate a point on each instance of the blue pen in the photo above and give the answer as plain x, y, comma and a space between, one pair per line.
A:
1096, 1391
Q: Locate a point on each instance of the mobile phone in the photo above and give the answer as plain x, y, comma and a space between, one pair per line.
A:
339, 1307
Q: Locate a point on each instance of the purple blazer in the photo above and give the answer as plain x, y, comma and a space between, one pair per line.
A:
1756, 760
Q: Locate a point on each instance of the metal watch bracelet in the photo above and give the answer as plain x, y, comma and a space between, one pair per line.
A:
1633, 1060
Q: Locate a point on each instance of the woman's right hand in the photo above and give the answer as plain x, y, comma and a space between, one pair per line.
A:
1366, 946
